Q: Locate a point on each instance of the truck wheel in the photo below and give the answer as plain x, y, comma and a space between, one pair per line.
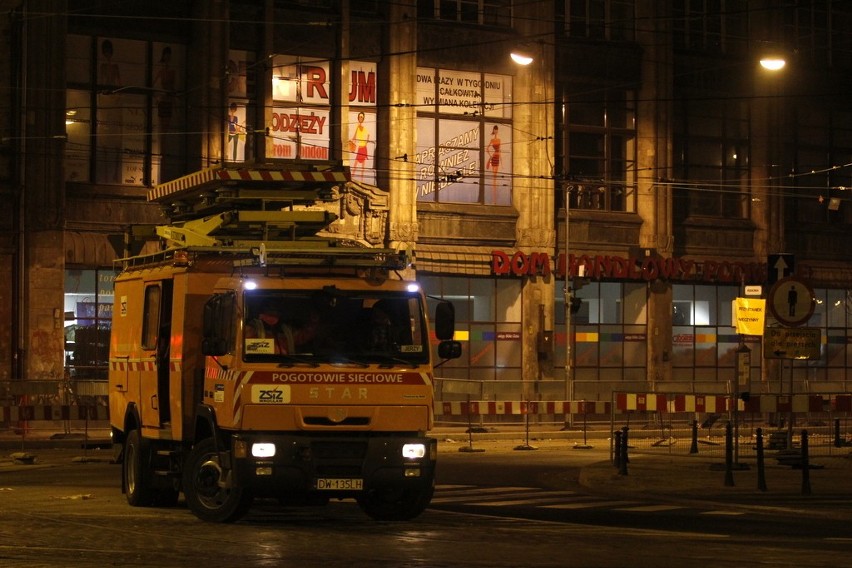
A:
137, 478
208, 500
394, 504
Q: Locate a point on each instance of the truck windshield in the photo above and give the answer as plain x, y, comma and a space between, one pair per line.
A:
334, 327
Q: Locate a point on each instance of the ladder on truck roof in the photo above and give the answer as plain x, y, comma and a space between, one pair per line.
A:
249, 211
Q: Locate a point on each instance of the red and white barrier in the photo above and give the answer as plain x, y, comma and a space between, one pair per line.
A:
59, 412
653, 402
495, 408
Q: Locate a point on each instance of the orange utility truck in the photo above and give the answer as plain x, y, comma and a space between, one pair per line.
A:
252, 359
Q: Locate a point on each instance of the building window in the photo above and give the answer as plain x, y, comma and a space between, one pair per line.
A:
611, 20
819, 31
464, 137
124, 116
488, 320
822, 195
483, 12
601, 148
712, 158
711, 26
88, 317
704, 341
609, 335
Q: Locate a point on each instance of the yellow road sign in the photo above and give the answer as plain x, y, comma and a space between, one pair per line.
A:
792, 343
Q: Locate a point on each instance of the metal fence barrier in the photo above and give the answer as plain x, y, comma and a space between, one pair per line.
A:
30, 408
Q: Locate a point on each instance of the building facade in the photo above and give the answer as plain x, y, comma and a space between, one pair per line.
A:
642, 152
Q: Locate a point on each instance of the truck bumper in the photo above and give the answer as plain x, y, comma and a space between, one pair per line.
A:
332, 466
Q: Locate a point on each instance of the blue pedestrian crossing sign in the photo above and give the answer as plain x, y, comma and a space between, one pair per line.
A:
780, 265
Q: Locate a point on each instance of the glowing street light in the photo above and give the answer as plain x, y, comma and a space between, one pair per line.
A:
521, 57
773, 63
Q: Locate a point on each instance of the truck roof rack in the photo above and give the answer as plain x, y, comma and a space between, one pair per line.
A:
256, 187
260, 215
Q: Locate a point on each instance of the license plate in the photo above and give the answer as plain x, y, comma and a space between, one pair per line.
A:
338, 484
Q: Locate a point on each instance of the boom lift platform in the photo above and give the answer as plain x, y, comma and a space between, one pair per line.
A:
261, 212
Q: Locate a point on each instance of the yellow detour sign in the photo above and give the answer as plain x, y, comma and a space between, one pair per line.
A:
750, 315
787, 343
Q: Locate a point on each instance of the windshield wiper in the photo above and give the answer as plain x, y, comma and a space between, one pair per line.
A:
386, 359
291, 360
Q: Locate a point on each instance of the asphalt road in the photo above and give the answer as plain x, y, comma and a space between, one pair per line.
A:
497, 508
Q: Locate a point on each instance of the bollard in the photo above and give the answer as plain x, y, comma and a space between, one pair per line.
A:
469, 448
526, 445
837, 443
761, 469
729, 455
616, 454
806, 467
693, 449
622, 469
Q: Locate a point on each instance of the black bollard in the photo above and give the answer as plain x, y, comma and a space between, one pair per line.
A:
761, 469
837, 443
622, 464
806, 467
616, 454
729, 456
693, 449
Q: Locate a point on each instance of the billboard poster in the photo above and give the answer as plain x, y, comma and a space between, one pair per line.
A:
362, 84
122, 116
470, 161
361, 145
462, 167
300, 80
235, 145
167, 72
459, 92
300, 132
301, 119
236, 118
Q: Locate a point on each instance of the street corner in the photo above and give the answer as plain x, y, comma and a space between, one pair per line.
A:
604, 477
21, 460
651, 475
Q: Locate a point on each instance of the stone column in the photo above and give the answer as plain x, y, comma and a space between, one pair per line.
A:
654, 155
41, 217
398, 127
533, 196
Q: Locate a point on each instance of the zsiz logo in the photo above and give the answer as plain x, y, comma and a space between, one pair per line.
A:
270, 396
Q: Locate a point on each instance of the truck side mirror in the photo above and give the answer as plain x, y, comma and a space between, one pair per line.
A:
445, 320
449, 349
218, 325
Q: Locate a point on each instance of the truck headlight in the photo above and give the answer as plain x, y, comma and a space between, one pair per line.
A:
413, 451
262, 450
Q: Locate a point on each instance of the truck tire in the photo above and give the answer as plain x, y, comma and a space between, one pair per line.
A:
137, 475
204, 496
395, 504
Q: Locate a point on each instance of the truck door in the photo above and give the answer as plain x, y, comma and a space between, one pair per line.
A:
156, 344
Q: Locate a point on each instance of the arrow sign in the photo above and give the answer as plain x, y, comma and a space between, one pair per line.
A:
787, 343
780, 266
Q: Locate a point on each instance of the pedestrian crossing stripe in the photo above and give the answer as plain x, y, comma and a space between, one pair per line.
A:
506, 496
588, 504
651, 508
723, 513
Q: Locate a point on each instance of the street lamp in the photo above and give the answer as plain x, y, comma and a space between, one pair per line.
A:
773, 63
569, 383
521, 56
